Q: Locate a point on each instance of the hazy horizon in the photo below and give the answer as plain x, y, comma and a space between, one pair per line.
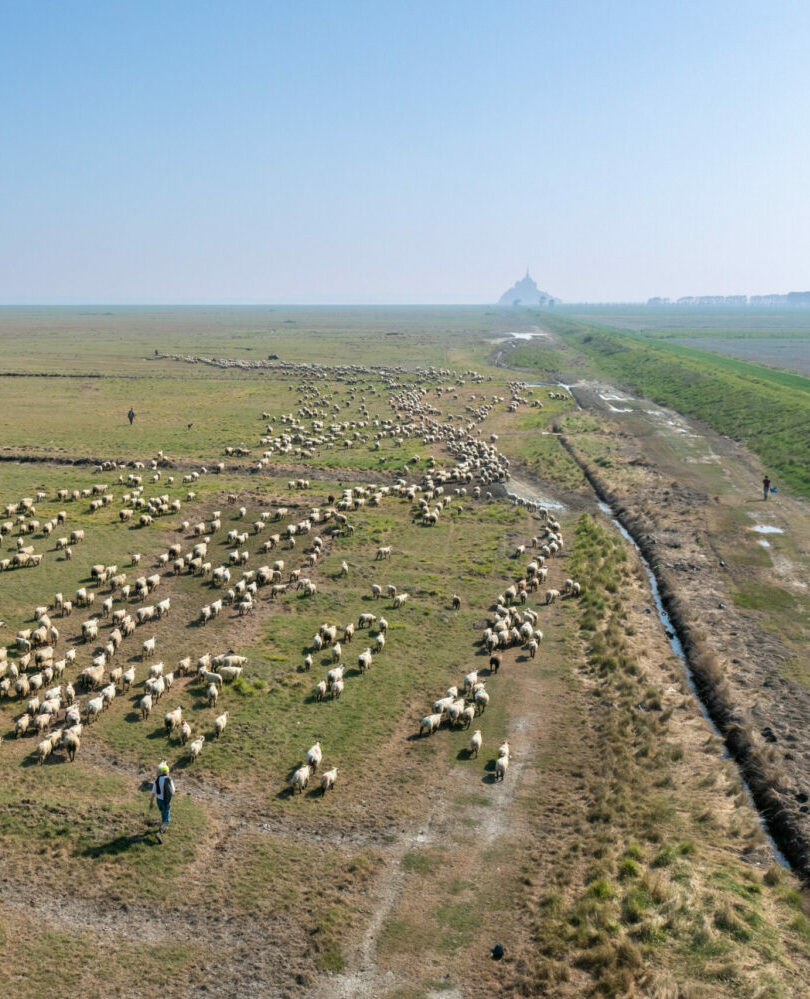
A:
249, 154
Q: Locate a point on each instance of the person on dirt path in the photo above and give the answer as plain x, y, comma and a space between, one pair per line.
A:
766, 487
131, 415
163, 792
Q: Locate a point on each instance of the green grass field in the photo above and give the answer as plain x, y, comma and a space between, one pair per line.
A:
610, 860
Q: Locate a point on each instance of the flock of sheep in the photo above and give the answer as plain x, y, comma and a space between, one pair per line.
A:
55, 711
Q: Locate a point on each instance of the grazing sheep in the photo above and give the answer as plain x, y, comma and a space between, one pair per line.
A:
21, 725
400, 599
366, 620
94, 708
336, 688
172, 720
300, 779
185, 732
328, 779
148, 647
145, 706
503, 750
481, 700
320, 690
476, 741
195, 748
468, 715
219, 724
551, 596
430, 724
71, 743
314, 756
376, 591
213, 695
501, 766
456, 601
337, 652
382, 624
43, 750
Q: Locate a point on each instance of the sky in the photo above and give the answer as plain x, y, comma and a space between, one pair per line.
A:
336, 151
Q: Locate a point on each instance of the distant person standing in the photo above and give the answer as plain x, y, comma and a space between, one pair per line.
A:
131, 415
766, 487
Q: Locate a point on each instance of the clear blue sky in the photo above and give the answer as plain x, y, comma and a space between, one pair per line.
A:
341, 152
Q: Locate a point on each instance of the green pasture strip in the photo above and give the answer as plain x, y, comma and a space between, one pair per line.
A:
748, 402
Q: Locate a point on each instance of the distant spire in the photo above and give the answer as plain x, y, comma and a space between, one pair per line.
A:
527, 272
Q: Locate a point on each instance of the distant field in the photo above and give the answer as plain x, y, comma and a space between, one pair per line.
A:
790, 353
668, 321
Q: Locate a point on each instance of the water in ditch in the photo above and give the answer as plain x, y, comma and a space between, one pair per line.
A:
677, 648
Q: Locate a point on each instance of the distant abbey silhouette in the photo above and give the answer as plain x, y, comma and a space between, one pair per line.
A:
526, 292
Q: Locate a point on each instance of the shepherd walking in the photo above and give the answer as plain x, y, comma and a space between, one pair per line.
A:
162, 793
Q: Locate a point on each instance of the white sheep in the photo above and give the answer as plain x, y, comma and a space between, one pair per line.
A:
195, 748
213, 695
300, 779
476, 741
481, 700
328, 779
501, 766
219, 724
430, 724
314, 756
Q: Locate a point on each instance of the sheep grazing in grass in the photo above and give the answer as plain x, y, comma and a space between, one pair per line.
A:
71, 743
468, 715
300, 779
320, 690
94, 708
336, 688
503, 750
213, 695
481, 700
456, 601
195, 748
185, 732
219, 724
145, 706
382, 624
43, 750
21, 725
501, 766
328, 778
172, 720
551, 596
314, 756
430, 724
476, 741
400, 599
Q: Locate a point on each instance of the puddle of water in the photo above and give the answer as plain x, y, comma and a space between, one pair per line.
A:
764, 543
677, 648
526, 336
767, 529
615, 397
614, 410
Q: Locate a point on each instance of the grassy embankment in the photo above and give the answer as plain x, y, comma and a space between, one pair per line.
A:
768, 410
653, 891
